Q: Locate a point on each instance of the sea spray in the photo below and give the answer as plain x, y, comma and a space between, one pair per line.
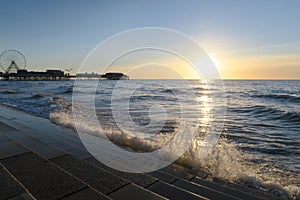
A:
62, 118
225, 162
221, 161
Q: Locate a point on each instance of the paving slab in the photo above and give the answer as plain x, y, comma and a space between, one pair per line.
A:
133, 191
41, 148
46, 134
203, 191
24, 196
177, 172
5, 127
39, 124
173, 192
10, 113
3, 137
59, 132
79, 153
199, 172
143, 180
100, 179
168, 178
50, 141
9, 187
9, 148
87, 193
25, 122
45, 131
42, 178
60, 143
226, 190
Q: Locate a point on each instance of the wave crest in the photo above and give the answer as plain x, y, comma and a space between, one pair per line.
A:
271, 112
7, 91
282, 97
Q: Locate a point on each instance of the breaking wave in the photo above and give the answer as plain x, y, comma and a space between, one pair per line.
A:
226, 161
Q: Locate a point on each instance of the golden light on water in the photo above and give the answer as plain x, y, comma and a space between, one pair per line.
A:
205, 108
204, 98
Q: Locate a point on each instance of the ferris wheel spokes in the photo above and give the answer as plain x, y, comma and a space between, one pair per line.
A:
12, 60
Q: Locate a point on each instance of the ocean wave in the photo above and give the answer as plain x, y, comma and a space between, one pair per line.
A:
268, 149
69, 90
256, 109
282, 97
58, 103
226, 161
39, 95
34, 84
9, 105
268, 113
159, 98
7, 91
64, 89
290, 116
204, 87
168, 91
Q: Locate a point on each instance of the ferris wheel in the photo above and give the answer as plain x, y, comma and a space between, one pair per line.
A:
12, 60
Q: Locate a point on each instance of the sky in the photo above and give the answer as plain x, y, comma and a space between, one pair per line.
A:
245, 39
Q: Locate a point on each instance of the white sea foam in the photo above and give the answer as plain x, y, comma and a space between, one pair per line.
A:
227, 162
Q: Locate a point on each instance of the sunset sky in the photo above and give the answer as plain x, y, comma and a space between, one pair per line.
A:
246, 39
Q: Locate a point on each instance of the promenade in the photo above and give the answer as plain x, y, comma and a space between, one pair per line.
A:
39, 160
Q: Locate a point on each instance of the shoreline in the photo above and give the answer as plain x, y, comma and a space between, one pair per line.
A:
16, 119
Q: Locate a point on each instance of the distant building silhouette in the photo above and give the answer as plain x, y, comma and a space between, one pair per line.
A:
115, 76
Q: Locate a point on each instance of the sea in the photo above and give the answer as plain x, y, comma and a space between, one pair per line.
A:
259, 122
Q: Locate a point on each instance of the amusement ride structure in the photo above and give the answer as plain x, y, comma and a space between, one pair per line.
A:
11, 61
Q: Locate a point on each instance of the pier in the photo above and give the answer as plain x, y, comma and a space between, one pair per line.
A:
13, 64
24, 75
57, 75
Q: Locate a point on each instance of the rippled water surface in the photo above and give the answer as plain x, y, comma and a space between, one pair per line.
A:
262, 119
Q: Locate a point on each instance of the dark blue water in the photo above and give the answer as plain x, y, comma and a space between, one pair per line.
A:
264, 116
262, 120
